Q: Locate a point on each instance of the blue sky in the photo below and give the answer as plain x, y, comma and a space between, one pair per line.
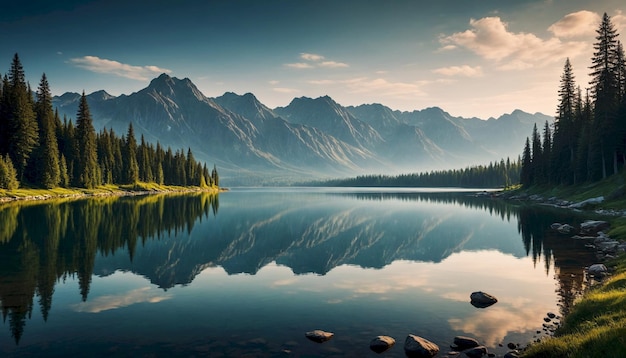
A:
472, 58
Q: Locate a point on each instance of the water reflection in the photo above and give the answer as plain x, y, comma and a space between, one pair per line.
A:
170, 240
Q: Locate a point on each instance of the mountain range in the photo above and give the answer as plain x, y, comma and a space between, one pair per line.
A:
308, 139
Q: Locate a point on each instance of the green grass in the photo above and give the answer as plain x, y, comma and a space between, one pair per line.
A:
596, 327
34, 193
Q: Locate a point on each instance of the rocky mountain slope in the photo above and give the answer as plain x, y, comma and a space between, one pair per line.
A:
309, 138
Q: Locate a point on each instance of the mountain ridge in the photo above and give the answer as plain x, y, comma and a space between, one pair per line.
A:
309, 138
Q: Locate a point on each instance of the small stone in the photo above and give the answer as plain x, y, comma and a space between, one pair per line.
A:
382, 343
319, 336
511, 345
551, 315
418, 347
481, 299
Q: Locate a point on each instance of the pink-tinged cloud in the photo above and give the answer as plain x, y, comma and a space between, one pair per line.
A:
578, 24
490, 38
464, 71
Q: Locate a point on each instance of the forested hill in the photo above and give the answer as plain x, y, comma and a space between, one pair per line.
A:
495, 175
588, 140
37, 149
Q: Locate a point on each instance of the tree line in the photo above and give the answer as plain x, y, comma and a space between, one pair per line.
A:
38, 149
495, 175
588, 140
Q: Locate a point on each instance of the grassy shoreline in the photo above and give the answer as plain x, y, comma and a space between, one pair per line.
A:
140, 188
596, 325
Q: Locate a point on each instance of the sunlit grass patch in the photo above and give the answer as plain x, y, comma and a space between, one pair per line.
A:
596, 327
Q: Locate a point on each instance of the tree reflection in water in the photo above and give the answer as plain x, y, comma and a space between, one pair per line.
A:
44, 243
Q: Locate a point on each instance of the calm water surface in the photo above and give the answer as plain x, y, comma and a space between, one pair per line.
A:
248, 272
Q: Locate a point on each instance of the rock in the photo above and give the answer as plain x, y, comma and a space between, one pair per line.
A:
578, 237
476, 352
382, 343
591, 201
418, 347
608, 245
512, 354
551, 315
597, 269
481, 299
593, 226
512, 345
319, 336
464, 343
555, 226
565, 229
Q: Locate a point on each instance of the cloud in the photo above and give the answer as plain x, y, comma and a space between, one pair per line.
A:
311, 57
274, 82
619, 21
101, 65
109, 302
490, 38
315, 60
384, 87
465, 70
299, 65
577, 24
333, 64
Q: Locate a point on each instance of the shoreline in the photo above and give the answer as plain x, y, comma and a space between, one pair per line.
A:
36, 195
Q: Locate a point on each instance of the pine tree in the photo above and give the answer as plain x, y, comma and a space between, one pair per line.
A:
526, 171
563, 145
87, 168
131, 167
547, 152
8, 174
215, 178
190, 169
21, 128
48, 153
604, 81
537, 157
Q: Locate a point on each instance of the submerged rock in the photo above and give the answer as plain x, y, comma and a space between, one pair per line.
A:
481, 299
418, 347
476, 352
382, 343
319, 336
463, 343
565, 229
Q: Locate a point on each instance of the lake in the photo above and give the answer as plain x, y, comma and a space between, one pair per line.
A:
247, 272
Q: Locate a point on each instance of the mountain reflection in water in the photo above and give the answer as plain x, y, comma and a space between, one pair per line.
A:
171, 239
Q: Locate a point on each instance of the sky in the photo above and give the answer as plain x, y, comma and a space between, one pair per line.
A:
472, 58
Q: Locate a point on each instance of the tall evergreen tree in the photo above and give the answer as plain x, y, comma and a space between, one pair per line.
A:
563, 145
526, 170
48, 153
215, 178
87, 168
537, 157
604, 81
547, 153
22, 131
130, 157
